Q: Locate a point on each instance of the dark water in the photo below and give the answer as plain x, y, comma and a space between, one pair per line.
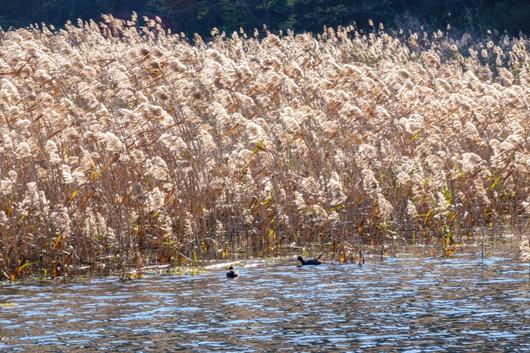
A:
403, 304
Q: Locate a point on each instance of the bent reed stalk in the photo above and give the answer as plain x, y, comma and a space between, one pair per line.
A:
122, 144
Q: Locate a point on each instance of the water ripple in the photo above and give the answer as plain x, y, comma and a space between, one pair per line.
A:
405, 304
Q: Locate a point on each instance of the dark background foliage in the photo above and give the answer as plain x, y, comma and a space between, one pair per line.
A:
301, 15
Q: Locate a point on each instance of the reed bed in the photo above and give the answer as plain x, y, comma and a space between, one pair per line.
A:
122, 144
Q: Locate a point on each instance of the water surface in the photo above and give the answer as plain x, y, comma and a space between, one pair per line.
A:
403, 304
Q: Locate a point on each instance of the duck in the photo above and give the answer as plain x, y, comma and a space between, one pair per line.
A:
312, 262
231, 273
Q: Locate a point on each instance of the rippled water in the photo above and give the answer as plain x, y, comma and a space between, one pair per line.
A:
404, 304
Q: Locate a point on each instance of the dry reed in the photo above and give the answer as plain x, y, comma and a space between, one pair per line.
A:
122, 144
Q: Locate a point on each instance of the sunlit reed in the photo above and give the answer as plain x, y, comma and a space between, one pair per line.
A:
123, 144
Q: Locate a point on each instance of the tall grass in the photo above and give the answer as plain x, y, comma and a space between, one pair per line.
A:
123, 144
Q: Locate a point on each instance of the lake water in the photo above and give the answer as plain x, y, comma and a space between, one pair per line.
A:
403, 304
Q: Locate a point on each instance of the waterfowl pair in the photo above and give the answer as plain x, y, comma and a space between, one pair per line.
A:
313, 262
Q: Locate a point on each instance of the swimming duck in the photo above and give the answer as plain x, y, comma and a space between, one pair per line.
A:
312, 262
231, 273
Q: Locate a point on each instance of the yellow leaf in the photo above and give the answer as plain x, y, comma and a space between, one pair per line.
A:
268, 201
260, 146
272, 234
94, 175
72, 196
20, 268
449, 251
495, 182
415, 136
57, 241
428, 216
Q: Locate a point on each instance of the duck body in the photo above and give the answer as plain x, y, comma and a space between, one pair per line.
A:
312, 262
231, 273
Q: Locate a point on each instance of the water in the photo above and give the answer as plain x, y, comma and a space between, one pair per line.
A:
403, 304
